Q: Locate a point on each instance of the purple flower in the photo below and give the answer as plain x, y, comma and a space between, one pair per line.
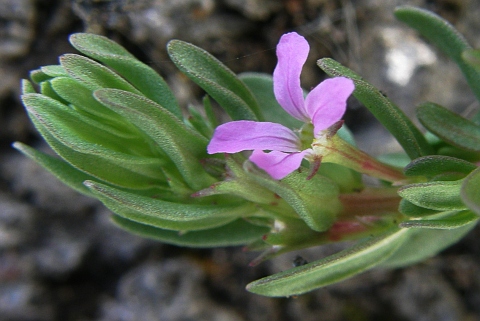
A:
323, 107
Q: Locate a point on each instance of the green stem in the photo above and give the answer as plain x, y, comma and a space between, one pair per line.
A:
370, 201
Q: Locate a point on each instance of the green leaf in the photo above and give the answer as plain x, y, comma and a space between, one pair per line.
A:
236, 233
452, 151
47, 90
93, 75
54, 71
210, 113
430, 166
441, 196
92, 159
444, 36
66, 173
75, 93
314, 200
165, 214
144, 78
410, 209
472, 57
85, 135
331, 269
425, 243
442, 221
470, 192
449, 126
184, 146
261, 85
199, 122
397, 123
27, 87
38, 76
216, 79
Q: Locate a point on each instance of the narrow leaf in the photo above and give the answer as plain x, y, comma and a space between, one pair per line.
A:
165, 214
446, 221
331, 269
444, 36
471, 191
38, 76
144, 78
472, 57
441, 196
54, 71
236, 233
82, 99
216, 79
394, 120
158, 222
92, 74
430, 166
412, 210
449, 126
27, 87
179, 212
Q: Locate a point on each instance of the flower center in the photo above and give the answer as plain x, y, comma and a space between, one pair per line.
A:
306, 136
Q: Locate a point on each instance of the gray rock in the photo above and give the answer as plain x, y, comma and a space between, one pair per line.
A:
60, 252
16, 221
425, 296
256, 9
22, 301
167, 291
17, 33
41, 187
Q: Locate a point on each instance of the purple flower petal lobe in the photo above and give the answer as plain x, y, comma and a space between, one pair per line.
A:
327, 102
292, 52
278, 164
237, 136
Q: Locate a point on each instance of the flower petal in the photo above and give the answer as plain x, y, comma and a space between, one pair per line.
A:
236, 136
278, 164
327, 102
292, 52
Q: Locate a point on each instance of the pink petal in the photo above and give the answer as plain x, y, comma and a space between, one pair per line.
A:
292, 52
278, 164
236, 136
327, 102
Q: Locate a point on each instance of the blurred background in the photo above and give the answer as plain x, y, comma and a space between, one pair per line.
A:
62, 259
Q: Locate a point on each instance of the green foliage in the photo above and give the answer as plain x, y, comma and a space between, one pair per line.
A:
216, 79
470, 192
450, 127
334, 268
